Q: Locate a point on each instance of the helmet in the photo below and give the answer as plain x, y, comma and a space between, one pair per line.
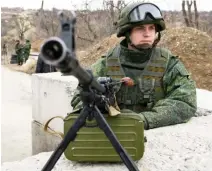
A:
137, 14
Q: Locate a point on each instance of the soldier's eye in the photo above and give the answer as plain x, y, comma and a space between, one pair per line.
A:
152, 28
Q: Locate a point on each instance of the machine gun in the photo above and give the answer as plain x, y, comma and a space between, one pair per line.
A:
60, 52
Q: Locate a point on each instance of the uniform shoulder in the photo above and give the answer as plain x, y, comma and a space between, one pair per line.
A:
111, 51
176, 67
165, 52
98, 68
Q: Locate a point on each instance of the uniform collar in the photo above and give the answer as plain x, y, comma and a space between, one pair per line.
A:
134, 56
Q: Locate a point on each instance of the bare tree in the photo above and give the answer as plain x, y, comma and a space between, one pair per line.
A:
22, 24
90, 34
188, 15
46, 22
196, 15
88, 26
114, 10
185, 14
50, 22
189, 4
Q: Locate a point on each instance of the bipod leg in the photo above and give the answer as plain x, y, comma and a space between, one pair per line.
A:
70, 136
114, 141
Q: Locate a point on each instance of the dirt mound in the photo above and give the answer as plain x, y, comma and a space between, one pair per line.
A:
192, 46
195, 50
94, 53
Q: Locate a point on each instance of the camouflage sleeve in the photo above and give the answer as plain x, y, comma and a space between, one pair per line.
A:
99, 68
179, 104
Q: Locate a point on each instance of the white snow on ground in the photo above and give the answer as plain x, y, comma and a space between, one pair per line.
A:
204, 99
16, 115
184, 147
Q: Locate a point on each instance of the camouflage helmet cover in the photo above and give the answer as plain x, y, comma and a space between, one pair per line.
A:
136, 14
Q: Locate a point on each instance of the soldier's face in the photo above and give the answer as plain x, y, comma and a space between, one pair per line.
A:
144, 34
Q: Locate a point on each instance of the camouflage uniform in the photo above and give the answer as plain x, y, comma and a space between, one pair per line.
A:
163, 94
27, 48
19, 52
4, 49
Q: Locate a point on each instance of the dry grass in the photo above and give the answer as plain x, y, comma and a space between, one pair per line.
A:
94, 53
195, 50
29, 67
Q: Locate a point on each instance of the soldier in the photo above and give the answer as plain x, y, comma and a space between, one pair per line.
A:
4, 49
163, 94
27, 48
19, 52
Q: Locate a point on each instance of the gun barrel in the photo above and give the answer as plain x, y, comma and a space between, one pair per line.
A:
55, 52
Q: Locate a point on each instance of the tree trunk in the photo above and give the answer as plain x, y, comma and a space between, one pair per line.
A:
185, 14
196, 15
189, 13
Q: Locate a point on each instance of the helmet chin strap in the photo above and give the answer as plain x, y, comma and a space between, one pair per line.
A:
157, 40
